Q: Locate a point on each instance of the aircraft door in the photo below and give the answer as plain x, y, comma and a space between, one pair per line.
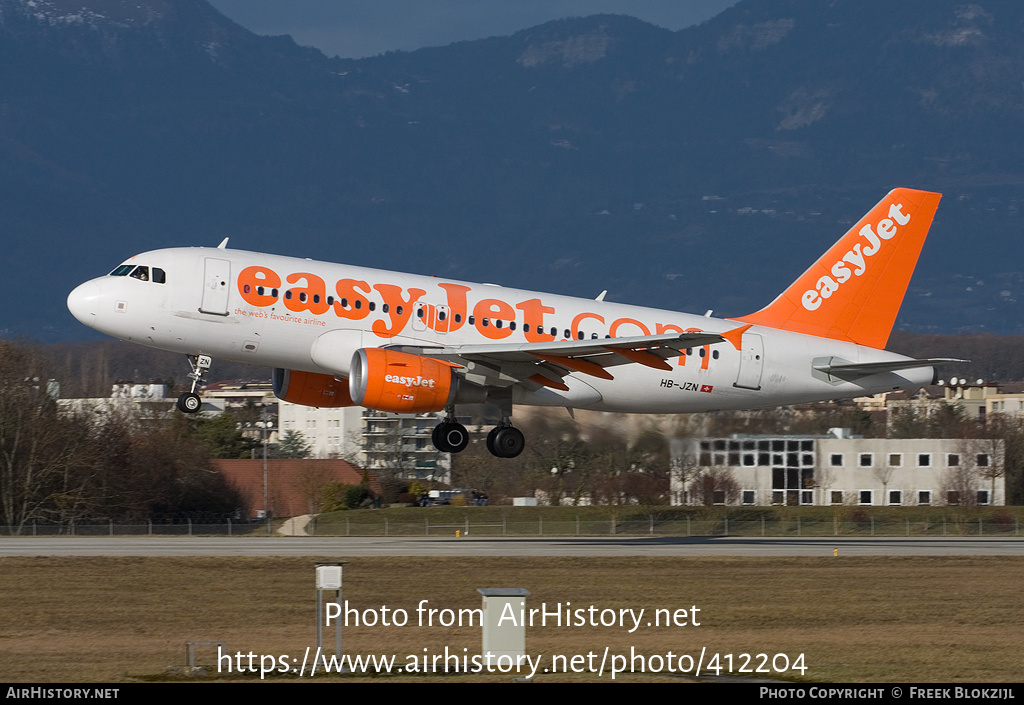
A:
751, 362
421, 316
441, 322
430, 316
215, 287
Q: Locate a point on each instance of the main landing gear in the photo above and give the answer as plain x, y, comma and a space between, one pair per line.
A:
503, 441
189, 402
450, 436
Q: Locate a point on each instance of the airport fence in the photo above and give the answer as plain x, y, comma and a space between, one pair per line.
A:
672, 528
186, 527
579, 526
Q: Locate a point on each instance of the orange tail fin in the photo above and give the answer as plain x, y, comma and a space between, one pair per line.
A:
854, 291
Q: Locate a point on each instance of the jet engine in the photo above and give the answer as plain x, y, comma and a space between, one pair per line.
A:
311, 388
399, 382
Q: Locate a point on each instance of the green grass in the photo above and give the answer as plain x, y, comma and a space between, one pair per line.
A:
918, 619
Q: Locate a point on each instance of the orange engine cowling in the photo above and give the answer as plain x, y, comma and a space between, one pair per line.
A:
402, 383
311, 388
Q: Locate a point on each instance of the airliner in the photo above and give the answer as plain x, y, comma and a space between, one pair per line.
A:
341, 335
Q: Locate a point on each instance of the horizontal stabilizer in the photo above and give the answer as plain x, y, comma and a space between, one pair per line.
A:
844, 369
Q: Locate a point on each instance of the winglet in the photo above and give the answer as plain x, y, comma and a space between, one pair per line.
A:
854, 291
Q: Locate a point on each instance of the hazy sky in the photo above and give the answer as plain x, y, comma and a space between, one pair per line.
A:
357, 28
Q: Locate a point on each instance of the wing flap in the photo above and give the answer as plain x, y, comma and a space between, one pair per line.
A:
502, 364
523, 352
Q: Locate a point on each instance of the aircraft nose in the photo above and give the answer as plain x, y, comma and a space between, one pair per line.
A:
83, 302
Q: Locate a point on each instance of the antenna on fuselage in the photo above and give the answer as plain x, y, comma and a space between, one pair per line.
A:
600, 297
223, 244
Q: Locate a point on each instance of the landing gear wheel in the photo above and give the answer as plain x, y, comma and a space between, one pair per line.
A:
450, 437
189, 403
506, 442
437, 439
490, 442
456, 437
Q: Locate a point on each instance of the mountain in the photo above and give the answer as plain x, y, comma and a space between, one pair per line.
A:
698, 169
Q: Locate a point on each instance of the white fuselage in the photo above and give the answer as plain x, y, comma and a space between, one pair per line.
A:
272, 310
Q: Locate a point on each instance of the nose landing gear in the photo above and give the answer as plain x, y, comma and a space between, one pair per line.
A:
189, 402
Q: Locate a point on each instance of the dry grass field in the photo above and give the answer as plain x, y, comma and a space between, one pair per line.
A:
854, 619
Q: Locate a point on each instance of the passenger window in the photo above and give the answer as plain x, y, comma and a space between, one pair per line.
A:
141, 273
159, 276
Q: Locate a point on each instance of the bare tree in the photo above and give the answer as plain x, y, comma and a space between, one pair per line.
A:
883, 473
402, 450
990, 461
980, 460
43, 467
715, 486
960, 484
310, 482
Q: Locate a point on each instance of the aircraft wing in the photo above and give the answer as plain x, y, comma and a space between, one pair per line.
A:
545, 364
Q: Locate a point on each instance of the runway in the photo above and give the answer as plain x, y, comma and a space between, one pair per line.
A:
341, 547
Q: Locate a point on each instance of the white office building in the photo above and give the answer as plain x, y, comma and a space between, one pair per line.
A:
839, 470
380, 441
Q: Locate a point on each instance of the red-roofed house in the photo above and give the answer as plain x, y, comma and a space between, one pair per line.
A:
295, 486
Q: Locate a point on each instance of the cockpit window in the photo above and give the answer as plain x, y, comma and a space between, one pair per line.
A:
141, 272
